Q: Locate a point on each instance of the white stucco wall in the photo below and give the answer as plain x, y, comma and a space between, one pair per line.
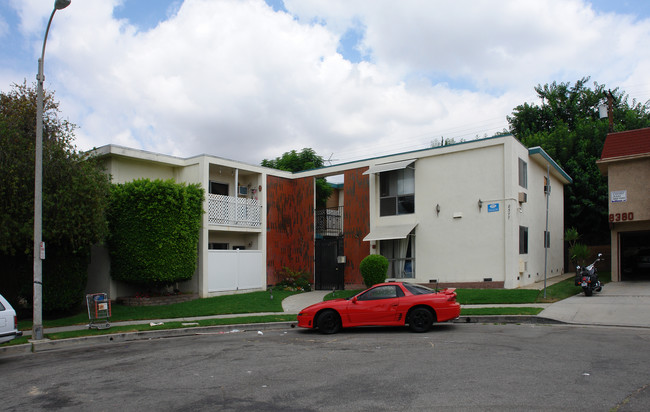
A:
465, 243
468, 247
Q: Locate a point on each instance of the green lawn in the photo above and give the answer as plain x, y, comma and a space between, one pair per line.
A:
554, 293
254, 302
257, 302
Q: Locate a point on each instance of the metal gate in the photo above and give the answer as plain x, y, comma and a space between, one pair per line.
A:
329, 273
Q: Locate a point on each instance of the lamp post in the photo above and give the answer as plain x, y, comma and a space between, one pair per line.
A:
39, 246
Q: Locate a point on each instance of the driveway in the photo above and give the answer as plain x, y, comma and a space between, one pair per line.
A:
619, 304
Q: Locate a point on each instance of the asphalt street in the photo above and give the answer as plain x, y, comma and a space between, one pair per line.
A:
454, 367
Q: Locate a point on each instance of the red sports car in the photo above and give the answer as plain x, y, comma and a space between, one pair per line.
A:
385, 304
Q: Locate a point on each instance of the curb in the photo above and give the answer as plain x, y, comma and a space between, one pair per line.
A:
89, 341
529, 319
86, 341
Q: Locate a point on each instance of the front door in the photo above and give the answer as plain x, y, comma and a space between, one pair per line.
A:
329, 274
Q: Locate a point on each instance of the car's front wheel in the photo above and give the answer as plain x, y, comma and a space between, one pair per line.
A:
420, 320
329, 322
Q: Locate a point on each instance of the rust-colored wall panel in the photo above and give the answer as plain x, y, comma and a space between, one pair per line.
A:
356, 223
290, 226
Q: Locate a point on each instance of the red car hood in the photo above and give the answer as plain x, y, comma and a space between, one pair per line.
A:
327, 303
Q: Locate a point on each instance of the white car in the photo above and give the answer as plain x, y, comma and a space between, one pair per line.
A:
8, 322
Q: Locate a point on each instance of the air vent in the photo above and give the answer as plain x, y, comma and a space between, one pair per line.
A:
523, 197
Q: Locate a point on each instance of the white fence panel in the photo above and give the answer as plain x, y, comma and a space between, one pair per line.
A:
230, 270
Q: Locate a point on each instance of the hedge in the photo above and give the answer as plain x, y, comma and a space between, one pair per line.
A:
154, 231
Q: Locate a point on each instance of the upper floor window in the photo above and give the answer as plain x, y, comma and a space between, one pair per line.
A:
523, 174
397, 192
217, 188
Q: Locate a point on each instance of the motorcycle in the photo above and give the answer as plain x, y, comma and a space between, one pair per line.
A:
587, 277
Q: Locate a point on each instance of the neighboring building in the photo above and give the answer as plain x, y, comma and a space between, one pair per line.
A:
470, 214
625, 160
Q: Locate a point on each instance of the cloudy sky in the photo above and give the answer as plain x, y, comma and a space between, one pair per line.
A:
251, 79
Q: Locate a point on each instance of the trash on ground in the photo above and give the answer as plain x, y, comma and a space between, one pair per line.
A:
156, 323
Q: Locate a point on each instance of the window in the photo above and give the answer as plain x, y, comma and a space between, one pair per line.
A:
382, 292
217, 246
418, 289
523, 174
523, 240
546, 185
218, 188
547, 239
397, 192
401, 256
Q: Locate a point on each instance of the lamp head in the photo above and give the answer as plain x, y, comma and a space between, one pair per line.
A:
61, 4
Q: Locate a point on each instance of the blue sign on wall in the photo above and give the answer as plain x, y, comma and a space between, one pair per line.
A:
493, 207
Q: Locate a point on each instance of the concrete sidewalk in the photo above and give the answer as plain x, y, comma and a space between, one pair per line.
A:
619, 304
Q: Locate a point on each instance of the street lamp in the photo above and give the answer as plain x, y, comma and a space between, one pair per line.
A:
39, 246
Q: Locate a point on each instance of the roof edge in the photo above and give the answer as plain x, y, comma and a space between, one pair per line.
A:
538, 151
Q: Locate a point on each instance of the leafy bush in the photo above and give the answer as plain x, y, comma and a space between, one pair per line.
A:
293, 280
64, 281
373, 269
154, 229
579, 253
75, 198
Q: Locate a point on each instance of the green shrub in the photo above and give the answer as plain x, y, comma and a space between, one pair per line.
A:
579, 253
64, 281
373, 269
293, 280
154, 231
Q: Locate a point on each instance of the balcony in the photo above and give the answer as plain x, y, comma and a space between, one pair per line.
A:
329, 221
233, 211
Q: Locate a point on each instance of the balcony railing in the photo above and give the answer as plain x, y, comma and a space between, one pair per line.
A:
233, 211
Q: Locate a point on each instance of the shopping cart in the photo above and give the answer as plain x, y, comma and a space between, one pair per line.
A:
99, 310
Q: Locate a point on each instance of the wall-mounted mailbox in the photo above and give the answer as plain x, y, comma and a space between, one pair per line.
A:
340, 259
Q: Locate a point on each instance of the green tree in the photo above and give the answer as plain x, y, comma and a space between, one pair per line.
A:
155, 227
567, 126
75, 198
307, 159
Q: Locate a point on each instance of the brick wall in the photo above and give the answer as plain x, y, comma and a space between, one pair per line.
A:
290, 226
356, 224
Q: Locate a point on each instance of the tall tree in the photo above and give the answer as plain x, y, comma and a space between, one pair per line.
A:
567, 126
75, 197
306, 159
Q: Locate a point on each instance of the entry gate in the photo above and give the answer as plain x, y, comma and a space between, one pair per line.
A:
329, 273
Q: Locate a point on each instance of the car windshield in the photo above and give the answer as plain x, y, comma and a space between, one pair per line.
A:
418, 289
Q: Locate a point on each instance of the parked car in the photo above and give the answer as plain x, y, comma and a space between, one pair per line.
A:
8, 322
385, 304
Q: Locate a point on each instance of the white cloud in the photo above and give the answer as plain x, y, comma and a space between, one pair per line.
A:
235, 79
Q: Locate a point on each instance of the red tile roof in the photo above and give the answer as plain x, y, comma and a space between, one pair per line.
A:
630, 143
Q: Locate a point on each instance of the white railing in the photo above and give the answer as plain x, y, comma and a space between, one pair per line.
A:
233, 211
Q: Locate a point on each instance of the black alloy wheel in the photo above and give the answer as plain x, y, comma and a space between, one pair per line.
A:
329, 322
420, 320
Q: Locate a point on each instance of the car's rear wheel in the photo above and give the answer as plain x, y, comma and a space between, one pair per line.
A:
420, 320
329, 322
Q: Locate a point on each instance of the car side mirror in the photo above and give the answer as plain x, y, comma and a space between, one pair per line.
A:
354, 299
